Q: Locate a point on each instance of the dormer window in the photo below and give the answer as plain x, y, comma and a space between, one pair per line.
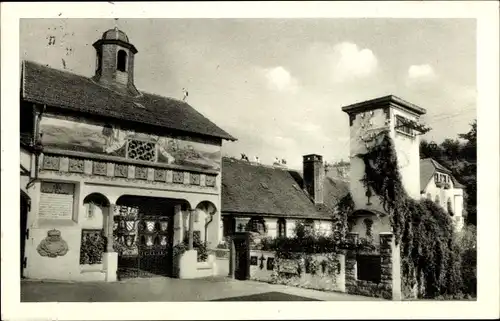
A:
122, 61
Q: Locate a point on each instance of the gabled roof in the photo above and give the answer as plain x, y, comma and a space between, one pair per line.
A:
254, 189
428, 167
52, 87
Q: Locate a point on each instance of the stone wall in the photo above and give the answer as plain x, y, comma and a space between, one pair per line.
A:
316, 271
389, 283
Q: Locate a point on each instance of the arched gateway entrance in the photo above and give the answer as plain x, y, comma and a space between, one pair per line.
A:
143, 231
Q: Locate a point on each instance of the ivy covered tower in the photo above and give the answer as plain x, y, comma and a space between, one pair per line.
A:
368, 121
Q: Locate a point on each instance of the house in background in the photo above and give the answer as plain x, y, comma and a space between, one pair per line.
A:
113, 163
439, 185
270, 200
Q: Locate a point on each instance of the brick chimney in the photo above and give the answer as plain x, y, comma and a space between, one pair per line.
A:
314, 175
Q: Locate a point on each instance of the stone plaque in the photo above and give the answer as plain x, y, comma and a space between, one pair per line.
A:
56, 201
289, 266
253, 260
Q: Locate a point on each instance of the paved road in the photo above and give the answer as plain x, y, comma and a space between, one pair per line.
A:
162, 289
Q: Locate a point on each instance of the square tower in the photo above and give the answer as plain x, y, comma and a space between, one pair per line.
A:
397, 117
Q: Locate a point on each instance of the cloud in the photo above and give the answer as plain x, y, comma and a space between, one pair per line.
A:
351, 62
421, 72
280, 79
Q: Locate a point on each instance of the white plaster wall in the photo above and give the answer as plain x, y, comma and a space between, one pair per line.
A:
407, 149
272, 227
323, 227
290, 227
96, 221
25, 159
357, 146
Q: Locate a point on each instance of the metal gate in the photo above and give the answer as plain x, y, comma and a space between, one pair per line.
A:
143, 240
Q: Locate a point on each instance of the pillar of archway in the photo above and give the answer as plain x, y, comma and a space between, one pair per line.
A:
109, 257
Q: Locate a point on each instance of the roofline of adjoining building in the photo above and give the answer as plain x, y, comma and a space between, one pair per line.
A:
290, 216
386, 101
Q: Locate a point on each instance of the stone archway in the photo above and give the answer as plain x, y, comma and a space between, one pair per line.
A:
206, 212
145, 230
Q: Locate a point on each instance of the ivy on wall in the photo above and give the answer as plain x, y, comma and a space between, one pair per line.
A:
430, 256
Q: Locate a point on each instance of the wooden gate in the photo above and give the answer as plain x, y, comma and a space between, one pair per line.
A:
241, 255
143, 241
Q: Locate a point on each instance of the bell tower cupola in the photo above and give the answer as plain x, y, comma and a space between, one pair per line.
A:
115, 62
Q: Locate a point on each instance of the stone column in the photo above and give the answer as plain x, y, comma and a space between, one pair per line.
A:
350, 263
191, 227
110, 257
109, 228
390, 265
232, 258
178, 225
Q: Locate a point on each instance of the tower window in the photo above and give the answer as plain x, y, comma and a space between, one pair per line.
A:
122, 61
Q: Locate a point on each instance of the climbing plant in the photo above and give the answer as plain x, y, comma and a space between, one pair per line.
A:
429, 254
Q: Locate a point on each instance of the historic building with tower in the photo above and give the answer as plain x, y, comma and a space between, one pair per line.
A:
101, 159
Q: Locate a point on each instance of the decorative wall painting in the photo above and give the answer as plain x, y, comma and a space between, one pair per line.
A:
84, 136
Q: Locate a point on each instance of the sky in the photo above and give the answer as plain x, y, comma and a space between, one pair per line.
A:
278, 85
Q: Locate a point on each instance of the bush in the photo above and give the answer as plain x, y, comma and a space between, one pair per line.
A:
467, 241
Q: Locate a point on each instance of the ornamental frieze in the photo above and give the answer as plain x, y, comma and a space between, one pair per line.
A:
178, 177
99, 168
194, 179
160, 175
141, 172
210, 180
126, 173
121, 170
76, 165
51, 163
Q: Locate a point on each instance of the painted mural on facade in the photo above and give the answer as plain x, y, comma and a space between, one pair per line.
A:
73, 135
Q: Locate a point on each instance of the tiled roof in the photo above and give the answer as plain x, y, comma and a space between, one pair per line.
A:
254, 189
428, 167
52, 87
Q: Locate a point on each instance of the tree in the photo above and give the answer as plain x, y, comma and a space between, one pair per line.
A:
470, 149
451, 149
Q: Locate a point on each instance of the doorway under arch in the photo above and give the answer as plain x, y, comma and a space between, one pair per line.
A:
143, 231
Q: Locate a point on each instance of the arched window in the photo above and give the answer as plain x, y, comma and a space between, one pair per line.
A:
122, 61
436, 200
429, 196
281, 227
257, 225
